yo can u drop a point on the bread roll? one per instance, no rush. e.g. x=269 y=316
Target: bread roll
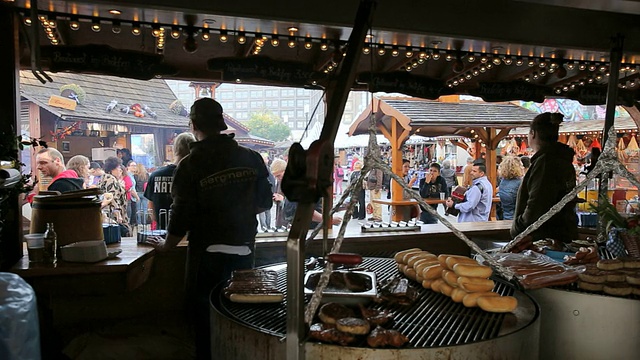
x=458 y=258
x=446 y=289
x=420 y=266
x=471 y=299
x=497 y=304
x=451 y=261
x=472 y=270
x=590 y=286
x=256 y=298
x=593 y=276
x=409 y=255
x=450 y=278
x=610 y=264
x=633 y=279
x=400 y=254
x=616 y=276
x=617 y=288
x=402 y=267
x=352 y=325
x=630 y=263
x=425 y=255
x=432 y=272
x=471 y=284
x=458 y=294
x=426 y=283
x=435 y=285
x=410 y=273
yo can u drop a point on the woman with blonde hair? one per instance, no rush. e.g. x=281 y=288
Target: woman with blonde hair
x=80 y=164
x=510 y=172
x=360 y=211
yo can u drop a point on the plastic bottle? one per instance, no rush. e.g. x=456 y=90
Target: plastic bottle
x=50 y=244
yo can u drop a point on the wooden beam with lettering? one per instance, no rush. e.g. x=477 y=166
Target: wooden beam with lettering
x=264 y=68
x=103 y=59
x=509 y=91
x=403 y=82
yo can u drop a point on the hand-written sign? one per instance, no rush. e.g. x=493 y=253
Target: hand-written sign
x=508 y=91
x=103 y=59
x=264 y=68
x=403 y=82
x=62 y=102
x=597 y=95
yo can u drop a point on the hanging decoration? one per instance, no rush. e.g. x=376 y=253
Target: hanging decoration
x=60 y=134
x=596 y=144
x=523 y=147
x=632 y=149
x=622 y=155
x=580 y=149
x=572 y=142
x=74 y=92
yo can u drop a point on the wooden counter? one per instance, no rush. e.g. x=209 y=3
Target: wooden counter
x=125 y=272
x=433 y=237
x=397 y=204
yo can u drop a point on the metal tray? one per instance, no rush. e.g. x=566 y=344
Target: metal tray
x=331 y=294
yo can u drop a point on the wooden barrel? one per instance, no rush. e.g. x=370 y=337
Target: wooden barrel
x=73 y=219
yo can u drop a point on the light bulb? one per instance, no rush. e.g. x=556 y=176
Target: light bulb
x=275 y=41
x=175 y=32
x=241 y=38
x=95 y=25
x=205 y=34
x=115 y=27
x=223 y=36
x=135 y=28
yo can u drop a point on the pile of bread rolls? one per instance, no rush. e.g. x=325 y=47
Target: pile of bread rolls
x=461 y=278
x=618 y=277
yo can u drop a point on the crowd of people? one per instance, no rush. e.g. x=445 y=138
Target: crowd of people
x=216 y=184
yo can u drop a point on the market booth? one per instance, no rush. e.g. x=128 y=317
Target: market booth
x=485 y=124
x=460 y=62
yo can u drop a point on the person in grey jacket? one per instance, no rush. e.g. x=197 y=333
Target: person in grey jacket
x=449 y=175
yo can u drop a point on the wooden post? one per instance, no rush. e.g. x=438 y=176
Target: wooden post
x=397 y=136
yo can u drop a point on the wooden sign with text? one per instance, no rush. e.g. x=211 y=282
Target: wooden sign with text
x=597 y=95
x=509 y=91
x=62 y=102
x=264 y=68
x=103 y=59
x=403 y=82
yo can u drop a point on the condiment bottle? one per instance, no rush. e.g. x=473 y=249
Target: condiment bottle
x=50 y=244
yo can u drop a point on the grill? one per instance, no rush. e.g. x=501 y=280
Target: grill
x=433 y=321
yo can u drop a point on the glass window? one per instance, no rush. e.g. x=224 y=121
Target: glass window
x=242 y=94
x=242 y=105
x=256 y=93
x=257 y=104
x=287 y=103
x=301 y=92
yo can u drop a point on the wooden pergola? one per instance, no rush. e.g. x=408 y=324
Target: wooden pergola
x=398 y=118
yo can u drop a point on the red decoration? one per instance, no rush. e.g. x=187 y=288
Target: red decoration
x=62 y=133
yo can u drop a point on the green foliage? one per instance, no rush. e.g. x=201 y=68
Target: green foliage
x=611 y=218
x=77 y=89
x=268 y=125
x=10 y=146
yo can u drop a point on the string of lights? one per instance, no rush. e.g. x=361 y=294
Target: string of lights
x=478 y=62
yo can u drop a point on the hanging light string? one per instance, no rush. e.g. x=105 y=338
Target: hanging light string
x=477 y=63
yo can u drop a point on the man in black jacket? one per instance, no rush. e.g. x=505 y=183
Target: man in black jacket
x=218 y=189
x=430 y=188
